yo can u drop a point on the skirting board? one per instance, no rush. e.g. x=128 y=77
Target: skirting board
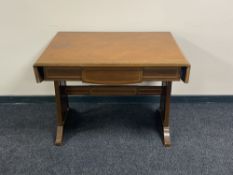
x=119 y=99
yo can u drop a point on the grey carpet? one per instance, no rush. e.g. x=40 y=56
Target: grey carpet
x=117 y=139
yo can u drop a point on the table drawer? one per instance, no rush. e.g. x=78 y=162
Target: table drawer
x=163 y=73
x=112 y=76
x=71 y=73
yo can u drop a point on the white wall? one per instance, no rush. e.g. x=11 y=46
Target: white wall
x=203 y=29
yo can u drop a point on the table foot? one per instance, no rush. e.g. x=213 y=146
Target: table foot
x=166 y=137
x=59 y=135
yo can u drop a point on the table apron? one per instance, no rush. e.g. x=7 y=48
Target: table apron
x=112 y=76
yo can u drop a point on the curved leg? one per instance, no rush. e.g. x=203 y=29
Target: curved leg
x=164 y=111
x=62 y=106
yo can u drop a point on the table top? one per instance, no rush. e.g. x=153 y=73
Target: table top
x=112 y=49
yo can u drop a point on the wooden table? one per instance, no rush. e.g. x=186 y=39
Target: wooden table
x=112 y=61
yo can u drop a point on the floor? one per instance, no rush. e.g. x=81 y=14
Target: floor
x=117 y=139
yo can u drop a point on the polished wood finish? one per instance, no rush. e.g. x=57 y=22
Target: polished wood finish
x=113 y=60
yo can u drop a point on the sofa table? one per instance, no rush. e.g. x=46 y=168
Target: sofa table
x=112 y=63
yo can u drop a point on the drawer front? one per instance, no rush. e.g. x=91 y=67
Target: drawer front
x=165 y=73
x=112 y=76
x=53 y=73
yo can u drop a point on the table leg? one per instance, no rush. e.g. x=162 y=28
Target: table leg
x=62 y=106
x=165 y=110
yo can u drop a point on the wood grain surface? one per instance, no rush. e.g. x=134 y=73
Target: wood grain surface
x=124 y=49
